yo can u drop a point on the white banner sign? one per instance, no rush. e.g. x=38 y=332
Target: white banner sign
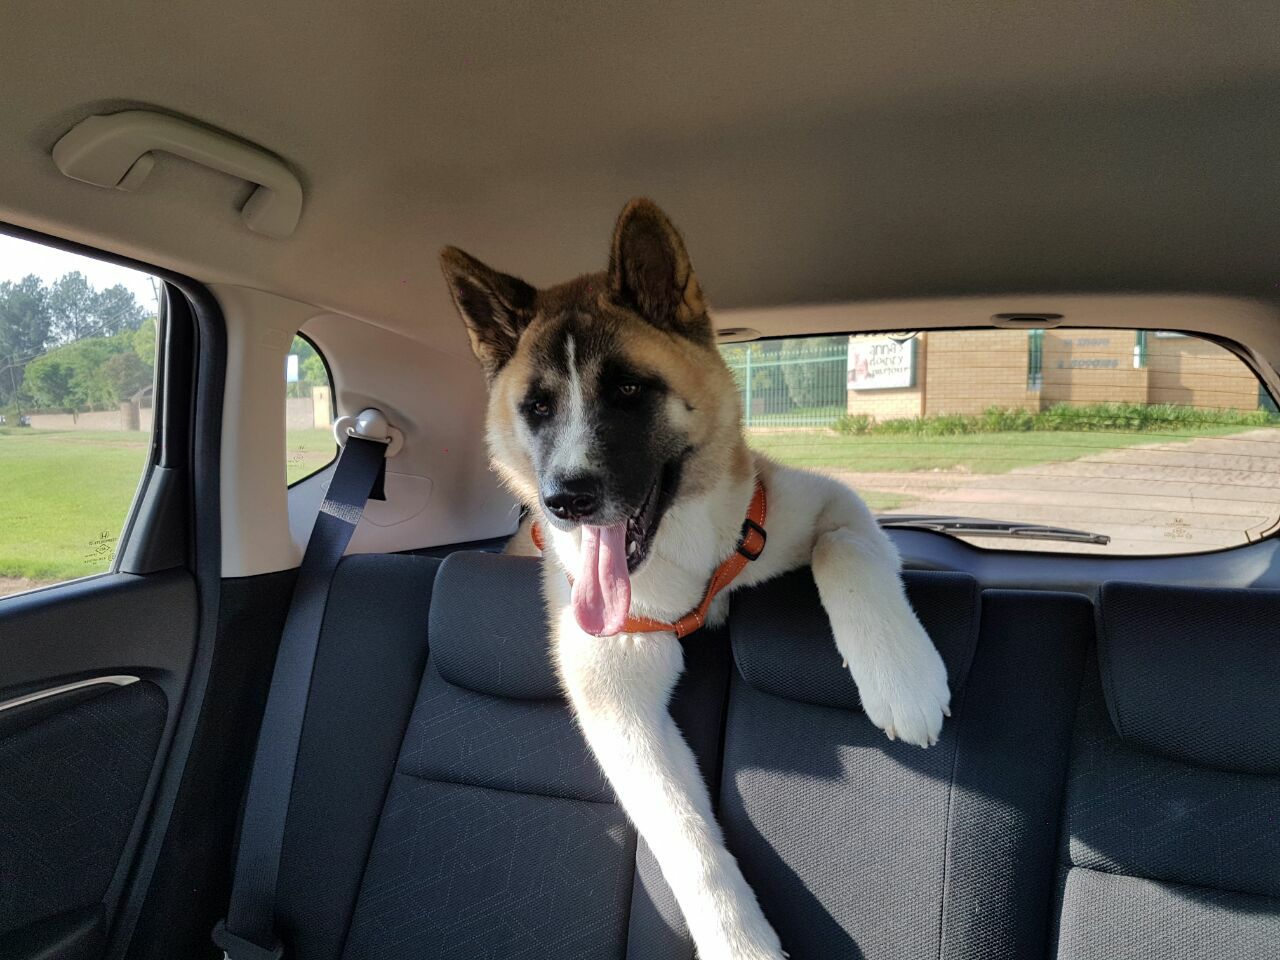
x=881 y=363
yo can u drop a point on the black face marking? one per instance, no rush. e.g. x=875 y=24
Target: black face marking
x=538 y=405
x=593 y=417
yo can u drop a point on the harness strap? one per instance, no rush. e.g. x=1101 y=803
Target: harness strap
x=750 y=546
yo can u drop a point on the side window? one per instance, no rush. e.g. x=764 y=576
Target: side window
x=1117 y=442
x=77 y=358
x=308 y=412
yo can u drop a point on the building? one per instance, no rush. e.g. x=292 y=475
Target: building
x=969 y=371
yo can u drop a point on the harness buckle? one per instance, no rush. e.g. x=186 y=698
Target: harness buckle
x=749 y=526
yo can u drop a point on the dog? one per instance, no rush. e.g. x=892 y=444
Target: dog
x=614 y=419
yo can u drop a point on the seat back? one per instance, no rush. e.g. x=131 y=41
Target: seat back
x=499 y=836
x=445 y=803
x=862 y=847
x=1171 y=829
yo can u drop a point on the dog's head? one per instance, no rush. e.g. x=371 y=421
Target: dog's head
x=608 y=397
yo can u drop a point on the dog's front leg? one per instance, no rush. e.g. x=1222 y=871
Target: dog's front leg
x=901 y=679
x=620 y=687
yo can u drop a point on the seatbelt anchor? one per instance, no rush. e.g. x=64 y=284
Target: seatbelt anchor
x=238 y=948
x=369 y=424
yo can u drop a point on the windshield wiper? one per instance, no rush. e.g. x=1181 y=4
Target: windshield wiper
x=976 y=527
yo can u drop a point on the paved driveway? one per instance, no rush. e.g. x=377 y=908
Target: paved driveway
x=1176 y=497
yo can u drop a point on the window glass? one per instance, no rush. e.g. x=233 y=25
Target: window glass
x=77 y=358
x=308 y=412
x=1071 y=440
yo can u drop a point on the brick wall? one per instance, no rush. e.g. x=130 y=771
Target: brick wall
x=971 y=370
x=94 y=420
x=967 y=371
x=1196 y=373
x=1083 y=367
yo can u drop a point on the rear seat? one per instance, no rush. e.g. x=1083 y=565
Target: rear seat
x=860 y=847
x=445 y=805
x=1171 y=828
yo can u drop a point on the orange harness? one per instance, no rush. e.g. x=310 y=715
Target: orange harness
x=750 y=546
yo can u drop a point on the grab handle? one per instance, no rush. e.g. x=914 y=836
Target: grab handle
x=114 y=150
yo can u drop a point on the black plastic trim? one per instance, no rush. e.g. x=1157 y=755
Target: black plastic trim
x=157 y=538
x=204 y=423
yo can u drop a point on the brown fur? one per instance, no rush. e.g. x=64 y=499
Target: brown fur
x=680 y=346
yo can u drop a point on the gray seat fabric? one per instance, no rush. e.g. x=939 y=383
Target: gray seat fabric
x=1171 y=827
x=499 y=837
x=368 y=667
x=861 y=847
x=445 y=804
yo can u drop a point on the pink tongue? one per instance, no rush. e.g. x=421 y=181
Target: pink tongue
x=602 y=588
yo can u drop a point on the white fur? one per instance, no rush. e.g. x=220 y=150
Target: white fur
x=571 y=452
x=620 y=686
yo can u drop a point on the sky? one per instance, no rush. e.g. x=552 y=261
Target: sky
x=21 y=257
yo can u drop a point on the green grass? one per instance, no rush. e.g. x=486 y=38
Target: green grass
x=1062 y=417
x=64 y=498
x=306 y=452
x=975 y=453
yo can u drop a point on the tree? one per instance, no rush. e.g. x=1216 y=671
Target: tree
x=72 y=304
x=313 y=371
x=144 y=341
x=815 y=371
x=86 y=385
x=77 y=311
x=24 y=329
x=48 y=381
x=117 y=310
x=126 y=374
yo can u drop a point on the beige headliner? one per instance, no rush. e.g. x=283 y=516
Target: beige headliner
x=812 y=152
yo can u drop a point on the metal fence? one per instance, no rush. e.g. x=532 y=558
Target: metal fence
x=800 y=382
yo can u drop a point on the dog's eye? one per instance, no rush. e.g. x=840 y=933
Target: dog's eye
x=541 y=408
x=629 y=389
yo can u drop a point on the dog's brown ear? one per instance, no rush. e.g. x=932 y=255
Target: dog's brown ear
x=495 y=307
x=650 y=272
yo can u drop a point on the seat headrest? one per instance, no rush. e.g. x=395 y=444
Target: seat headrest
x=488 y=626
x=1194 y=673
x=782 y=640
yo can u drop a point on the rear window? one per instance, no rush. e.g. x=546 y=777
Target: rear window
x=308 y=412
x=1115 y=442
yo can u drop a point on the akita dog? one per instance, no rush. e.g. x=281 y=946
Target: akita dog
x=614 y=419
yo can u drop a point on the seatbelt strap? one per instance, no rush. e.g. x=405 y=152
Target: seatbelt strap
x=248 y=932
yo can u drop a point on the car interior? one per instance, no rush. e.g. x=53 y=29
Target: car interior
x=1009 y=270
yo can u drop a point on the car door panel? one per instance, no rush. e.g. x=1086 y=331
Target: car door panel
x=91 y=676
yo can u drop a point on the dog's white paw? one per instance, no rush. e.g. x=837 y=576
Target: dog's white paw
x=903 y=687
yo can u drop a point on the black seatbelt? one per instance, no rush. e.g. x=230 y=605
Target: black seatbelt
x=248 y=932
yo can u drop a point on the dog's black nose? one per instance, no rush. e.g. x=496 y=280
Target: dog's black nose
x=575 y=498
